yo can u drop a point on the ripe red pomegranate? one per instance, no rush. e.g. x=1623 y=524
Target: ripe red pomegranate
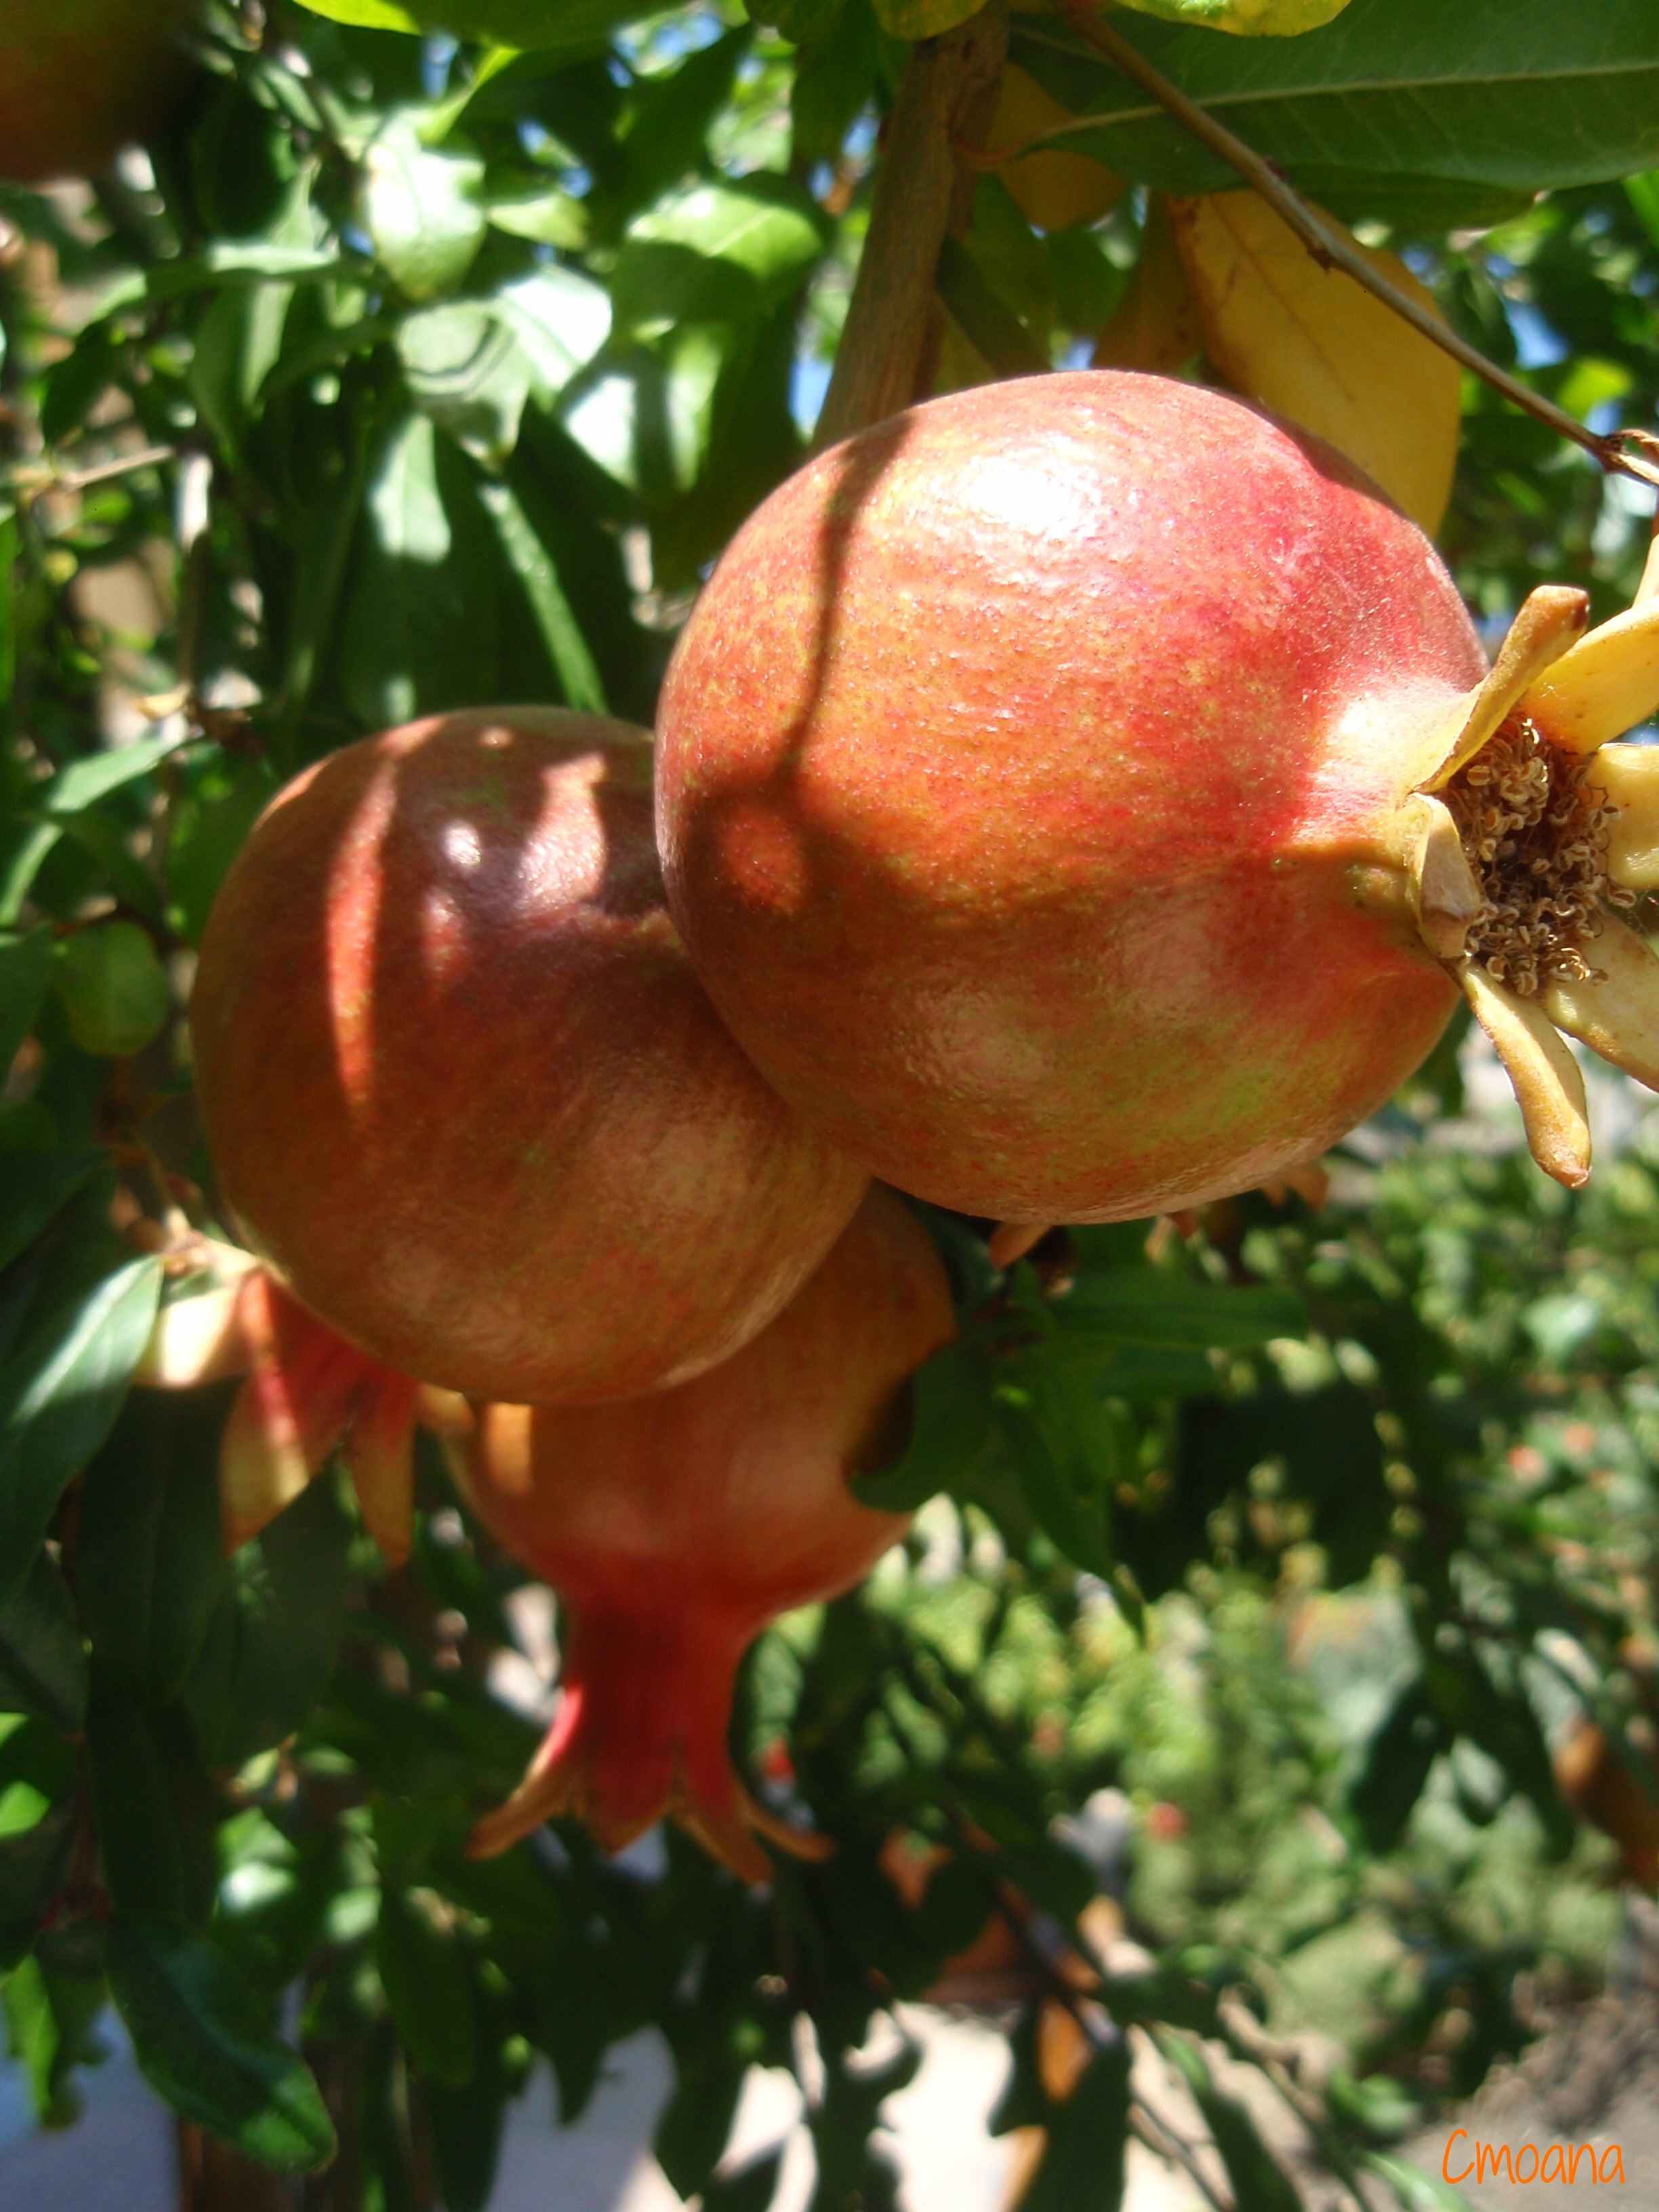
x=674 y=1527
x=463 y=1093
x=80 y=78
x=1085 y=797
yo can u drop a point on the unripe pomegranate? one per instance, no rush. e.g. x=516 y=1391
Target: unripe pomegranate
x=463 y=1094
x=79 y=78
x=1085 y=797
x=674 y=1527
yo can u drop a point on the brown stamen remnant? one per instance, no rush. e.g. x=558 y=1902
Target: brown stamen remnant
x=1536 y=836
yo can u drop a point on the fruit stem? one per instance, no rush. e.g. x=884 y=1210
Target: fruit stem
x=946 y=96
x=1331 y=247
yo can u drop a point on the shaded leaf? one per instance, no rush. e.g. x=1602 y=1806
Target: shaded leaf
x=149 y=1558
x=43 y=1660
x=25 y=972
x=154 y=1803
x=276 y=1634
x=61 y=1385
x=427 y=1985
x=713 y=254
x=923 y=18
x=201 y=2038
x=1082 y=2168
x=114 y=989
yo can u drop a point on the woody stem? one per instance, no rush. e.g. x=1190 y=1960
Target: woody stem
x=1331 y=248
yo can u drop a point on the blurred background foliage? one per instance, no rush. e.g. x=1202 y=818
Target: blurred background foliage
x=400 y=374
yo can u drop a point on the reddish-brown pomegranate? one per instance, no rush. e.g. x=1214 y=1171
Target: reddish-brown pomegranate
x=675 y=1526
x=463 y=1091
x=79 y=78
x=1069 y=792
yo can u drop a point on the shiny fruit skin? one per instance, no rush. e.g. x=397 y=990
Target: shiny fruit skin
x=675 y=1526
x=79 y=79
x=1018 y=772
x=463 y=1092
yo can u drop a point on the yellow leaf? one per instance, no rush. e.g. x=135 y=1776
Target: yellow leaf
x=1250 y=19
x=1156 y=327
x=1315 y=347
x=1051 y=188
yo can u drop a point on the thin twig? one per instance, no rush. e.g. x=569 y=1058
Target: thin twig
x=1158 y=2137
x=1332 y=248
x=33 y=485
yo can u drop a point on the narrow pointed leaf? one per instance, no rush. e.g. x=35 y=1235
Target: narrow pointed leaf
x=202 y=2039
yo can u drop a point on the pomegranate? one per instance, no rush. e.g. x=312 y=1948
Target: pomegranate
x=79 y=78
x=675 y=1526
x=307 y=1392
x=463 y=1094
x=1085 y=796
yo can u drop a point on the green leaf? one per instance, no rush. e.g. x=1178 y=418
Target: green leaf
x=465 y=369
x=532 y=564
x=1642 y=192
x=61 y=1385
x=275 y=1634
x=714 y=253
x=149 y=1554
x=559 y=26
x=923 y=18
x=548 y=215
x=1396 y=1766
x=25 y=972
x=421 y=620
x=84 y=782
x=202 y=2039
x=24 y=847
x=114 y=989
x=1136 y=1305
x=993 y=330
x=1082 y=2168
x=1523 y=95
x=8 y=603
x=1259 y=2182
x=207 y=826
x=154 y=1804
x=466 y=2124
x=560 y=319
x=34 y=1187
x=49 y=2019
x=427 y=1985
x=949 y=1430
x=43 y=1660
x=420 y=206
x=1414 y=2189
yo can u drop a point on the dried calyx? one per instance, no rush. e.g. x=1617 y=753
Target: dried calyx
x=1529 y=834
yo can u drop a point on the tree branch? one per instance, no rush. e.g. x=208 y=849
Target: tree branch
x=1334 y=248
x=945 y=100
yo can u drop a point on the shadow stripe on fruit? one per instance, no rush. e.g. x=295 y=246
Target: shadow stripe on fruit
x=1069 y=793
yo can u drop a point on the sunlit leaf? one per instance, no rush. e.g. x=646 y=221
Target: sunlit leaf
x=1250 y=18
x=420 y=206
